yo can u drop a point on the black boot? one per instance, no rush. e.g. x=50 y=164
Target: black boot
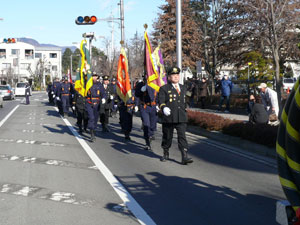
x=92 y=135
x=185 y=158
x=80 y=129
x=165 y=157
x=104 y=128
x=148 y=145
x=127 y=136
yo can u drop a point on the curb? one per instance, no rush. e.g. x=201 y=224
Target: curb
x=234 y=141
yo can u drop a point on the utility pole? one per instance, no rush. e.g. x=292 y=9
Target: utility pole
x=122 y=22
x=178 y=35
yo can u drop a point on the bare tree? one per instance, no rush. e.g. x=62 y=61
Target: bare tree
x=275 y=22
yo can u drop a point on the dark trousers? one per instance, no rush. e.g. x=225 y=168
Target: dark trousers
x=65 y=103
x=27 y=99
x=125 y=119
x=202 y=101
x=149 y=119
x=93 y=114
x=168 y=129
x=104 y=115
x=82 y=117
x=227 y=102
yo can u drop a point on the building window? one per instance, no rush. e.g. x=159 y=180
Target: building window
x=28 y=54
x=2 y=53
x=14 y=51
x=53 y=55
x=6 y=65
x=54 y=68
x=24 y=66
x=38 y=55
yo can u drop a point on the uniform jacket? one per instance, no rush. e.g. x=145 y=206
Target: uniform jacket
x=168 y=97
x=108 y=94
x=79 y=102
x=95 y=94
x=147 y=97
x=56 y=87
x=65 y=88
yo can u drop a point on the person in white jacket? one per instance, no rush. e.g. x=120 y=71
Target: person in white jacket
x=269 y=99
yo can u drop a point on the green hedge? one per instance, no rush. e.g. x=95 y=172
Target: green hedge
x=264 y=134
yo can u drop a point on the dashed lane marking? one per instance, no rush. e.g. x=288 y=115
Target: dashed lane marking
x=46 y=194
x=140 y=214
x=31 y=142
x=50 y=162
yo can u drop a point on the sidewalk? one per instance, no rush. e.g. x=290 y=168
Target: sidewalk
x=223 y=114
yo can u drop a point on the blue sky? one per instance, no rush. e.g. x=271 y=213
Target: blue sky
x=53 y=21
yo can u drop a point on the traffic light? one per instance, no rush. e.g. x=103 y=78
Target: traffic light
x=9 y=40
x=87 y=20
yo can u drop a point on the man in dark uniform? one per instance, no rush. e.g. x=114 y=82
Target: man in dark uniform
x=79 y=102
x=65 y=91
x=173 y=105
x=50 y=92
x=126 y=113
x=147 y=103
x=27 y=94
x=104 y=110
x=114 y=102
x=96 y=94
x=55 y=87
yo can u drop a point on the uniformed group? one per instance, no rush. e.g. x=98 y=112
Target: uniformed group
x=102 y=101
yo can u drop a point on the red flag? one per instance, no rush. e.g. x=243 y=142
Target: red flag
x=123 y=79
x=70 y=76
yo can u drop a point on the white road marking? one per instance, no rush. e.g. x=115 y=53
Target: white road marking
x=8 y=115
x=126 y=197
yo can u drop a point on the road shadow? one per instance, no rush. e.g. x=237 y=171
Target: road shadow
x=119 y=143
x=178 y=200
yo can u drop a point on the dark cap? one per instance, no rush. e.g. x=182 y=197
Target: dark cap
x=114 y=79
x=174 y=70
x=105 y=77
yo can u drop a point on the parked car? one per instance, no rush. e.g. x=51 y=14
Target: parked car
x=20 y=89
x=6 y=92
x=1 y=102
x=288 y=83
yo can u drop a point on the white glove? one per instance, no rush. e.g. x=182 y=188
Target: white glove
x=57 y=98
x=157 y=108
x=111 y=97
x=52 y=92
x=73 y=107
x=115 y=106
x=167 y=111
x=103 y=101
x=136 y=108
x=144 y=88
x=72 y=95
x=53 y=96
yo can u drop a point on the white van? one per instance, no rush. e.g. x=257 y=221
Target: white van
x=20 y=89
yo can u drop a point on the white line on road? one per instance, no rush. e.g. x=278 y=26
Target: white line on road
x=127 y=198
x=8 y=115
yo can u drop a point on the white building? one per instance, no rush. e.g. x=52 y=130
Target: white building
x=20 y=61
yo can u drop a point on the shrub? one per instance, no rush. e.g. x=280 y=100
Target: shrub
x=264 y=134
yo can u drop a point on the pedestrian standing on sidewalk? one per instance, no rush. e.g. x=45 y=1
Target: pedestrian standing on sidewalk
x=226 y=87
x=173 y=105
x=203 y=92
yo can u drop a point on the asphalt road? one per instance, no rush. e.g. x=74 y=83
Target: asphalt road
x=48 y=176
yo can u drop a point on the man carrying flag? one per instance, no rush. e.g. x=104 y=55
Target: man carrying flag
x=127 y=101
